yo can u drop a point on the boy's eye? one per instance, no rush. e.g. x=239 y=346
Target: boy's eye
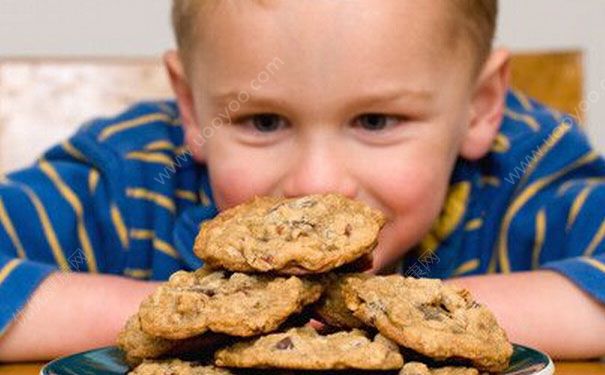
x=375 y=122
x=266 y=122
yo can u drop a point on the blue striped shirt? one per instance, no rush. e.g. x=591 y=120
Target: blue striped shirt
x=123 y=196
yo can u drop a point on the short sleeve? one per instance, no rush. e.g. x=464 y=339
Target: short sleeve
x=53 y=217
x=583 y=258
x=555 y=219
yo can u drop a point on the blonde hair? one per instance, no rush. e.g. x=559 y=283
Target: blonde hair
x=475 y=20
x=479 y=19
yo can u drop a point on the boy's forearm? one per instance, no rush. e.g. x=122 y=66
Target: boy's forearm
x=545 y=310
x=71 y=312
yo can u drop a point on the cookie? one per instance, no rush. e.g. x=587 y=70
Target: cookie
x=431 y=318
x=138 y=345
x=331 y=308
x=305 y=349
x=417 y=368
x=176 y=366
x=190 y=304
x=311 y=234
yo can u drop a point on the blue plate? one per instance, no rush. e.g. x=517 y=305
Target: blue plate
x=110 y=361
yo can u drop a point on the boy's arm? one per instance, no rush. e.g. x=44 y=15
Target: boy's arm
x=71 y=211
x=61 y=214
x=71 y=312
x=543 y=309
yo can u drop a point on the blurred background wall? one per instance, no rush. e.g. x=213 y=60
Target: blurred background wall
x=141 y=28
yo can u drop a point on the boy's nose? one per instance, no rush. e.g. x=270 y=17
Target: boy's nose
x=319 y=170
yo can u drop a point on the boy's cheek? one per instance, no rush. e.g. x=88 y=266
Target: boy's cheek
x=412 y=194
x=413 y=206
x=235 y=183
x=403 y=184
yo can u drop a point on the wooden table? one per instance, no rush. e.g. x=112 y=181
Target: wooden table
x=562 y=368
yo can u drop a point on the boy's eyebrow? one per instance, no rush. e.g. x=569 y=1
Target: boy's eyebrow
x=386 y=96
x=243 y=96
x=377 y=97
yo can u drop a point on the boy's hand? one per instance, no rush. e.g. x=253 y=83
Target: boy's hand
x=72 y=312
x=543 y=309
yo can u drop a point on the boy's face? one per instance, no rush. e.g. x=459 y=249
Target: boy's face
x=365 y=98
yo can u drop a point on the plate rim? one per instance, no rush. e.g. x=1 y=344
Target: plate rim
x=548 y=370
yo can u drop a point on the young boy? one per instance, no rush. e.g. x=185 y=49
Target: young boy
x=399 y=103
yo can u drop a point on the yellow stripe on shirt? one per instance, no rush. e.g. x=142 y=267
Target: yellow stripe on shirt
x=524 y=197
x=204 y=199
x=523 y=100
x=137 y=273
x=165 y=248
x=157 y=198
x=558 y=116
x=129 y=124
x=187 y=195
x=596 y=240
x=150 y=157
x=8 y=268
x=142 y=234
x=493 y=262
x=473 y=224
x=466 y=267
x=521 y=117
x=149 y=235
x=76 y=205
x=577 y=205
x=564 y=188
x=72 y=151
x=544 y=151
x=540 y=229
x=10 y=230
x=183 y=150
x=491 y=180
x=501 y=144
x=595 y=263
x=93 y=180
x=161 y=145
x=119 y=225
x=47 y=227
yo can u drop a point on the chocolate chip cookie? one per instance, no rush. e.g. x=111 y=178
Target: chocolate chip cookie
x=139 y=345
x=417 y=368
x=176 y=366
x=331 y=308
x=192 y=303
x=434 y=319
x=305 y=349
x=312 y=234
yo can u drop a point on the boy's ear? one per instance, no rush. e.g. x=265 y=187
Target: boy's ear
x=487 y=105
x=182 y=91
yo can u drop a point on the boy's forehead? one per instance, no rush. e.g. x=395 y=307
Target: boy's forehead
x=340 y=44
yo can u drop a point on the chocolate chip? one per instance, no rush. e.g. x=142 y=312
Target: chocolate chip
x=284 y=344
x=348 y=230
x=377 y=306
x=431 y=312
x=204 y=290
x=302 y=223
x=444 y=308
x=304 y=203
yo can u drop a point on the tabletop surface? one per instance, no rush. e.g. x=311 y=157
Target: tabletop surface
x=562 y=368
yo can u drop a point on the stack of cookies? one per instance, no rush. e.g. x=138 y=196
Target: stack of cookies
x=273 y=263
